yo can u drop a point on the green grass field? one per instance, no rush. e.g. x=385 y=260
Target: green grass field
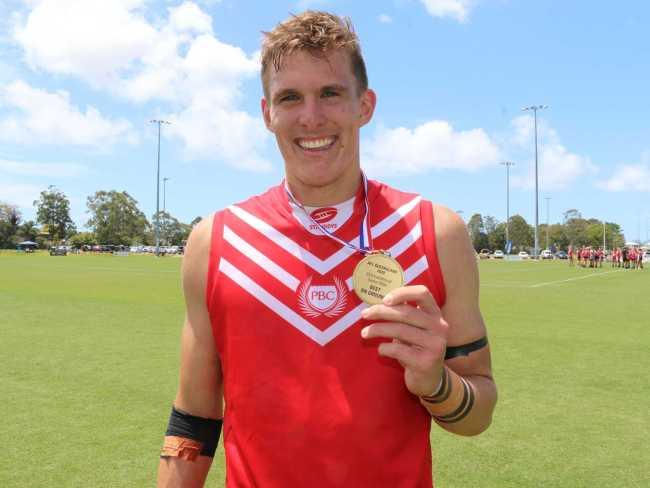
x=89 y=355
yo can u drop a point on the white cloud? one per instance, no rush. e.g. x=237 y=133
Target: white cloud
x=455 y=9
x=629 y=177
x=558 y=167
x=433 y=145
x=385 y=19
x=188 y=17
x=233 y=136
x=37 y=116
x=178 y=60
x=21 y=195
x=27 y=168
x=92 y=39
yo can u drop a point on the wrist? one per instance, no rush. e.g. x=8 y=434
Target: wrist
x=440 y=385
x=453 y=400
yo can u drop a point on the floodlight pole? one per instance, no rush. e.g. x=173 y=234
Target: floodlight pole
x=548 y=199
x=164 y=193
x=165 y=209
x=534 y=109
x=507 y=164
x=157 y=223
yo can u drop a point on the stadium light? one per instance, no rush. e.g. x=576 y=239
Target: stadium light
x=534 y=109
x=159 y=122
x=507 y=164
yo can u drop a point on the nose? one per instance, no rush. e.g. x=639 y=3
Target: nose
x=311 y=115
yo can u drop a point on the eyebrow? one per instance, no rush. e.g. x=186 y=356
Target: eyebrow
x=339 y=88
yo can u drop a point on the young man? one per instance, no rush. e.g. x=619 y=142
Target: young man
x=320 y=388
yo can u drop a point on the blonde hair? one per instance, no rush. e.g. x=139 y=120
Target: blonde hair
x=317 y=33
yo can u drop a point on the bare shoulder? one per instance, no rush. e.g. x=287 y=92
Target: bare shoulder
x=197 y=256
x=452 y=241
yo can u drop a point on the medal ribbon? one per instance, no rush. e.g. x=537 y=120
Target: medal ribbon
x=364 y=230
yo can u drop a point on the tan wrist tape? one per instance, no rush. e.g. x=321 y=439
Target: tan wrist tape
x=181 y=447
x=453 y=400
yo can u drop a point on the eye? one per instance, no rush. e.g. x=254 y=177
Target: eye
x=289 y=97
x=330 y=93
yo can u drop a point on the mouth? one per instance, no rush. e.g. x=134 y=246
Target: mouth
x=314 y=144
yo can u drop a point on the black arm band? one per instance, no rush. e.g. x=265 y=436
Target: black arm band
x=465 y=349
x=205 y=431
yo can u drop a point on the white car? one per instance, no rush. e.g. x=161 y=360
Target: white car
x=523 y=255
x=546 y=254
x=498 y=254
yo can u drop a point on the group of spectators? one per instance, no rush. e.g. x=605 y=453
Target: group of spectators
x=628 y=257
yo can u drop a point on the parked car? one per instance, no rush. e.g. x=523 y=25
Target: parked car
x=561 y=255
x=484 y=254
x=498 y=254
x=58 y=251
x=524 y=255
x=546 y=254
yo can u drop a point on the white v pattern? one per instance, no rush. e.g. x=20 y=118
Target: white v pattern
x=321 y=337
x=304 y=326
x=317 y=264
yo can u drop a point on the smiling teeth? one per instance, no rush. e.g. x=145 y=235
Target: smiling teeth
x=316 y=143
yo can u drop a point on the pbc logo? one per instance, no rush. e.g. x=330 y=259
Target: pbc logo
x=322 y=215
x=317 y=300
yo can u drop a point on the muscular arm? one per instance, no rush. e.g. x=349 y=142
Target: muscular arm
x=200 y=383
x=421 y=332
x=462 y=314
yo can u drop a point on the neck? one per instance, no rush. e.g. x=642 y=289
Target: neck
x=323 y=195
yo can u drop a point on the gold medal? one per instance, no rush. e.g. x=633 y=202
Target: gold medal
x=375 y=276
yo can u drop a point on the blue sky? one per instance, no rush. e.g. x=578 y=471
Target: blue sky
x=80 y=80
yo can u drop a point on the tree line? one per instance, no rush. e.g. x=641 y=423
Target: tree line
x=487 y=232
x=114 y=219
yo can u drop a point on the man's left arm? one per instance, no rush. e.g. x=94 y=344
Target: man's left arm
x=466 y=326
x=459 y=392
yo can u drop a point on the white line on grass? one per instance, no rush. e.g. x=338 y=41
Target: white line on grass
x=573 y=279
x=504 y=284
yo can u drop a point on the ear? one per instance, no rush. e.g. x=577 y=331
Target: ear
x=368 y=101
x=266 y=113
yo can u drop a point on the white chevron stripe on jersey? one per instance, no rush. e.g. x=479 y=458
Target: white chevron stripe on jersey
x=291 y=317
x=317 y=264
x=290 y=246
x=407 y=241
x=395 y=217
x=343 y=323
x=260 y=259
x=416 y=269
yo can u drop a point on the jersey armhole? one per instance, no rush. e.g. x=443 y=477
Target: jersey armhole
x=430 y=249
x=214 y=260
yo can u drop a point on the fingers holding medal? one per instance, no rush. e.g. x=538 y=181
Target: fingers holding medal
x=411 y=318
x=375 y=276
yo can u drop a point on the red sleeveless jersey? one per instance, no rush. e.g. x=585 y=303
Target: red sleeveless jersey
x=309 y=403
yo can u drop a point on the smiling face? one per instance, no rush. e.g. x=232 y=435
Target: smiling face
x=315 y=110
